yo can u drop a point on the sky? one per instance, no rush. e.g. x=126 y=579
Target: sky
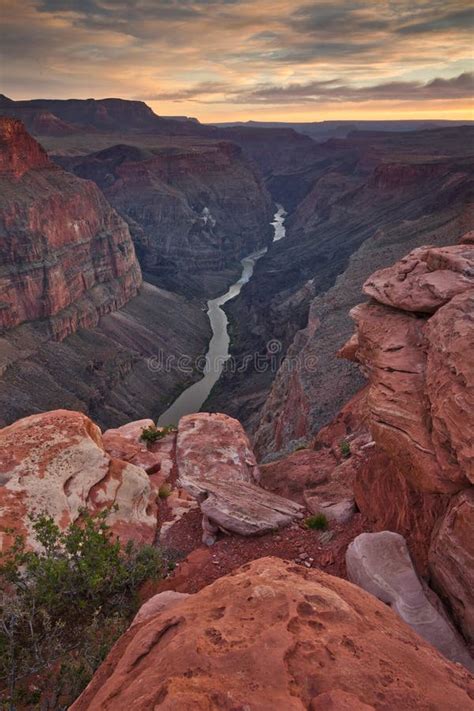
x=223 y=60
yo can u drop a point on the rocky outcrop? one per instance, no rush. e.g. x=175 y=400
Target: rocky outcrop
x=217 y=467
x=416 y=351
x=193 y=208
x=55 y=464
x=276 y=635
x=66 y=255
x=380 y=563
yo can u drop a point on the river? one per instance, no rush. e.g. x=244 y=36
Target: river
x=192 y=399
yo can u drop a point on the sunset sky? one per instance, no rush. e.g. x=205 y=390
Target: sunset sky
x=224 y=60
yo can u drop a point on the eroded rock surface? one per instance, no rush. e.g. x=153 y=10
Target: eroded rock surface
x=55 y=464
x=217 y=467
x=275 y=635
x=380 y=563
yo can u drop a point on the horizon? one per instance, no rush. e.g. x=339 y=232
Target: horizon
x=236 y=60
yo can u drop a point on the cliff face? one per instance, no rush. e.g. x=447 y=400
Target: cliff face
x=193 y=207
x=66 y=255
x=414 y=342
x=69 y=273
x=371 y=199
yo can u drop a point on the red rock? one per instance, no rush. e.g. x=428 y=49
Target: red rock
x=54 y=463
x=66 y=254
x=274 y=635
x=425 y=279
x=451 y=559
x=450 y=383
x=217 y=467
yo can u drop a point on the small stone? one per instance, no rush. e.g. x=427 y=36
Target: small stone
x=307 y=564
x=303 y=556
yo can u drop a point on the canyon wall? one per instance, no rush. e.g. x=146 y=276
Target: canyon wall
x=194 y=208
x=373 y=197
x=74 y=331
x=66 y=256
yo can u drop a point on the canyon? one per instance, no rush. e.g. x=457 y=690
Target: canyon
x=316 y=517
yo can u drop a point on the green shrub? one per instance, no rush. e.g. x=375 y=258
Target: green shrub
x=153 y=434
x=164 y=491
x=68 y=600
x=345 y=448
x=317 y=522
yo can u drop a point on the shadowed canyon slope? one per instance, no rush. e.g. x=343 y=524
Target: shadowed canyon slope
x=194 y=208
x=368 y=200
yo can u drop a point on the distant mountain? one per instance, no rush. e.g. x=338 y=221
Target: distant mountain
x=322 y=130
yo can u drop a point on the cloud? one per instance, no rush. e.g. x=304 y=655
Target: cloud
x=227 y=53
x=460 y=87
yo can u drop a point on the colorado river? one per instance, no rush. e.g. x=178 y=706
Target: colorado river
x=192 y=399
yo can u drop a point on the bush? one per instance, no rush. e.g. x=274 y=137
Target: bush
x=317 y=522
x=345 y=448
x=69 y=600
x=164 y=491
x=153 y=434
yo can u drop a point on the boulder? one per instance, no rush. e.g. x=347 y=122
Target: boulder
x=425 y=279
x=158 y=603
x=217 y=467
x=451 y=559
x=380 y=563
x=274 y=635
x=54 y=463
x=125 y=443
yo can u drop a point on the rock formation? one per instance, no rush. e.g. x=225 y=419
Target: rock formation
x=217 y=467
x=74 y=332
x=275 y=635
x=380 y=563
x=66 y=255
x=55 y=464
x=417 y=480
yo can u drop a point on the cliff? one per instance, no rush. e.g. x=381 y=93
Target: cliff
x=194 y=208
x=74 y=332
x=413 y=341
x=66 y=255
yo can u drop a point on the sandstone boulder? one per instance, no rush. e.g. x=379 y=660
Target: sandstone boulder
x=54 y=463
x=451 y=559
x=273 y=635
x=158 y=603
x=216 y=466
x=125 y=443
x=425 y=279
x=380 y=563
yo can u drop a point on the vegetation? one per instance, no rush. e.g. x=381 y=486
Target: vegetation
x=317 y=522
x=153 y=434
x=64 y=605
x=164 y=491
x=345 y=448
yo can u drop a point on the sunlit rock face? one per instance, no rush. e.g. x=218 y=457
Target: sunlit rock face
x=67 y=256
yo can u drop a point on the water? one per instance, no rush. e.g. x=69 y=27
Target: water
x=192 y=399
